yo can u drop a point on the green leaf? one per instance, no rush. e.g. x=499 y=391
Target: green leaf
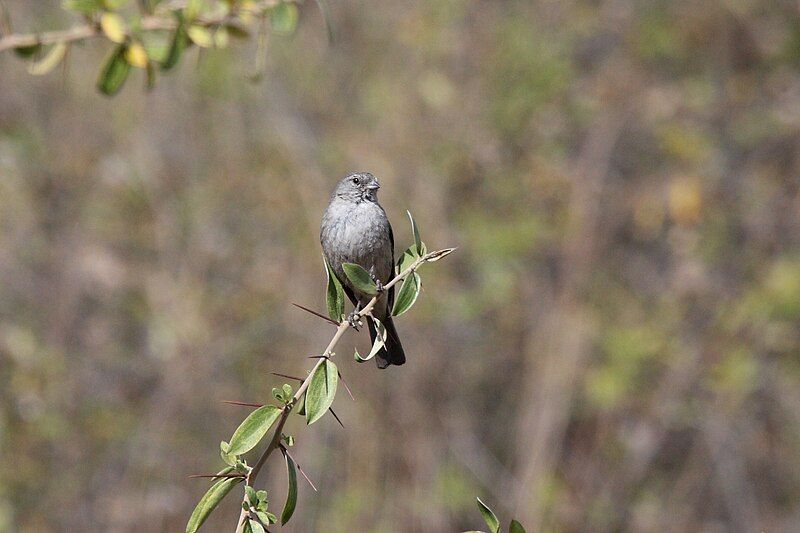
x=224 y=453
x=256 y=526
x=287 y=391
x=291 y=498
x=415 y=231
x=284 y=18
x=253 y=428
x=321 y=390
x=114 y=73
x=300 y=406
x=407 y=259
x=209 y=502
x=27 y=51
x=335 y=295
x=251 y=495
x=360 y=278
x=179 y=43
x=515 y=527
x=489 y=517
x=380 y=340
x=83 y=6
x=49 y=61
x=408 y=294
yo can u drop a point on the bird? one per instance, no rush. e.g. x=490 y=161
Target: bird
x=355 y=229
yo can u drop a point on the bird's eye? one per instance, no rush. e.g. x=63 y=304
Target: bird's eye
x=356 y=180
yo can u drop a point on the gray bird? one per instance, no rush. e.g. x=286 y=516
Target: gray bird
x=355 y=230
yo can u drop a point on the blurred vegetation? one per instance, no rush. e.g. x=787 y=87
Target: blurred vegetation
x=616 y=346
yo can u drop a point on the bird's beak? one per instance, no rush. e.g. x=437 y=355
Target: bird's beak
x=374 y=185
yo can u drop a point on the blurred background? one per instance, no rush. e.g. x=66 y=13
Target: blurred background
x=615 y=346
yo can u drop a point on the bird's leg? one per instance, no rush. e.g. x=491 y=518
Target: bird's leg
x=376 y=279
x=353 y=317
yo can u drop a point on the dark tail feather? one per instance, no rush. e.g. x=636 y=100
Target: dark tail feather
x=392 y=352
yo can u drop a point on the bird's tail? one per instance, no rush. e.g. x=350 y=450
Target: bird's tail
x=392 y=352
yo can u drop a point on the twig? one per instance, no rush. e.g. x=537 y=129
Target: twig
x=245 y=404
x=164 y=21
x=193 y=476
x=275 y=442
x=323 y=317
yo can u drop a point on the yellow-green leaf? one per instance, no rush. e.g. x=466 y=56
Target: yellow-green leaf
x=209 y=502
x=360 y=278
x=408 y=294
x=136 y=55
x=252 y=429
x=489 y=517
x=200 y=36
x=335 y=295
x=291 y=497
x=284 y=18
x=113 y=27
x=49 y=61
x=321 y=390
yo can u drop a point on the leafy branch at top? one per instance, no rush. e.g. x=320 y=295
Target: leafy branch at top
x=153 y=34
x=312 y=399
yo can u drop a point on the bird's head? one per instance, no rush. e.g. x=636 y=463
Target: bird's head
x=358 y=186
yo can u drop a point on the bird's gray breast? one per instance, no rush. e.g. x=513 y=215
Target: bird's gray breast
x=357 y=233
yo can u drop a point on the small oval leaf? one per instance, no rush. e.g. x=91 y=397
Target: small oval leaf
x=515 y=527
x=284 y=18
x=321 y=391
x=360 y=278
x=136 y=55
x=113 y=27
x=408 y=294
x=252 y=429
x=179 y=43
x=489 y=517
x=291 y=498
x=209 y=502
x=335 y=295
x=49 y=61
x=200 y=36
x=256 y=527
x=114 y=73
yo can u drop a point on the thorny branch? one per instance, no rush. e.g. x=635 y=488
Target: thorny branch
x=162 y=20
x=275 y=442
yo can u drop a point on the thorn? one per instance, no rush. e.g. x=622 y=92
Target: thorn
x=287 y=376
x=285 y=450
x=323 y=317
x=215 y=475
x=245 y=404
x=319 y=356
x=346 y=387
x=336 y=417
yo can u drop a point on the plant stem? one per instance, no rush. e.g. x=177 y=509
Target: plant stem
x=275 y=442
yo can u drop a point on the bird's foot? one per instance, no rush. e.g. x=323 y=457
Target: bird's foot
x=354 y=319
x=376 y=279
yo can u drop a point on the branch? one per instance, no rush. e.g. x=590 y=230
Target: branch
x=163 y=21
x=275 y=442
